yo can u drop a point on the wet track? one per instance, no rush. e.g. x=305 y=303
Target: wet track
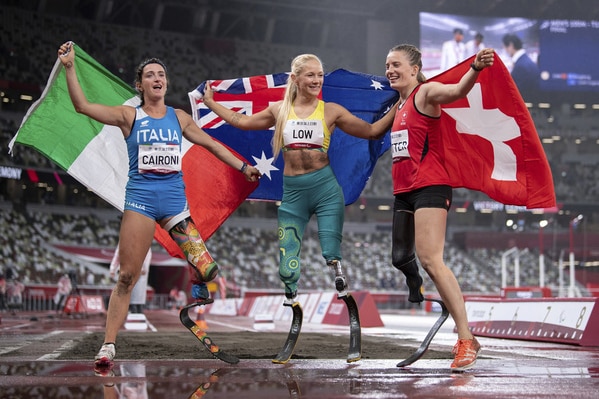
x=507 y=369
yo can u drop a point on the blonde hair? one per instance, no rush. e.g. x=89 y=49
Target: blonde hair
x=297 y=66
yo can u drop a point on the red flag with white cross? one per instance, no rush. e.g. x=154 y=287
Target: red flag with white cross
x=491 y=143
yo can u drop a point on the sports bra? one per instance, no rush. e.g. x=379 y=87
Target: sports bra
x=307 y=133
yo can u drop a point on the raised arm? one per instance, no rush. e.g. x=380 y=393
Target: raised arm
x=438 y=93
x=357 y=127
x=193 y=133
x=259 y=121
x=120 y=115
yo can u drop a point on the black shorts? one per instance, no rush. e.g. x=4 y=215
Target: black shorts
x=426 y=197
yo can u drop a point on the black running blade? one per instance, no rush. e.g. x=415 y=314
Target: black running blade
x=355 y=332
x=294 y=332
x=429 y=337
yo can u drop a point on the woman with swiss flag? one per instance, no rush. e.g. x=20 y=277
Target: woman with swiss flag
x=421 y=184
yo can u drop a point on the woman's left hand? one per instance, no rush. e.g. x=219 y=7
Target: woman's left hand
x=484 y=58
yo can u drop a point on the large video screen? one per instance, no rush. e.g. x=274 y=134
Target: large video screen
x=561 y=55
x=570 y=55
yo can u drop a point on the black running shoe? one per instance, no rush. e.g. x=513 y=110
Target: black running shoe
x=290 y=298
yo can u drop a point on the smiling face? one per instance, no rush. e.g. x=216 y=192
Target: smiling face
x=153 y=81
x=399 y=72
x=309 y=78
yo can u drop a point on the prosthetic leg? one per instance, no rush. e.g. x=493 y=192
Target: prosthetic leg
x=429 y=337
x=296 y=327
x=201 y=318
x=183 y=230
x=403 y=258
x=355 y=333
x=355 y=337
x=203 y=336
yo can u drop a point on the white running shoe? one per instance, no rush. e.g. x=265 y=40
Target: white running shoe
x=105 y=355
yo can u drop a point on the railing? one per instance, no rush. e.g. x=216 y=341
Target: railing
x=44 y=303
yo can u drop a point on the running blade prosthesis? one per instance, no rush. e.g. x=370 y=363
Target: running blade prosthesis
x=355 y=333
x=296 y=327
x=429 y=337
x=202 y=335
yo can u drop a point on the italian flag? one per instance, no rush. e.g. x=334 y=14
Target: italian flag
x=96 y=155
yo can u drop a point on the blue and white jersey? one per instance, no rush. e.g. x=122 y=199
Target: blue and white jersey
x=154 y=145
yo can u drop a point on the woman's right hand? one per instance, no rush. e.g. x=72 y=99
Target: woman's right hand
x=66 y=53
x=208 y=93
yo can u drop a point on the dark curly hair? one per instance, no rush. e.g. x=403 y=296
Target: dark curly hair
x=140 y=70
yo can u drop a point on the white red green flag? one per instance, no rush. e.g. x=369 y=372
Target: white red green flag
x=96 y=155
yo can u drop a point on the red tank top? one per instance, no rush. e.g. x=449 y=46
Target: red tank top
x=416 y=148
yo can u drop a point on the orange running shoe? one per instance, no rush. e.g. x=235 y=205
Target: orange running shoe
x=465 y=351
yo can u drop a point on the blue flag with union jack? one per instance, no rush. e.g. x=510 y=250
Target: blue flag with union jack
x=352 y=159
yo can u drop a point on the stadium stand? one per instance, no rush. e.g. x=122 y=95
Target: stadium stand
x=34 y=218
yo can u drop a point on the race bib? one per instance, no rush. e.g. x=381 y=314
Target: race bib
x=303 y=134
x=399 y=145
x=159 y=158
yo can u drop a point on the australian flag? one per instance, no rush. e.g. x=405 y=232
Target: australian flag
x=352 y=159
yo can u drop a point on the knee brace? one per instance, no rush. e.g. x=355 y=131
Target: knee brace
x=183 y=231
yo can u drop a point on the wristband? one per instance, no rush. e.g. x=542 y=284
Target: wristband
x=473 y=66
x=243 y=167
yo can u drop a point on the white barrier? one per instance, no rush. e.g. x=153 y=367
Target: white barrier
x=136 y=322
x=563 y=320
x=318 y=308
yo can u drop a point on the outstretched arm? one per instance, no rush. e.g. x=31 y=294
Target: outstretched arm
x=193 y=133
x=120 y=115
x=259 y=121
x=357 y=127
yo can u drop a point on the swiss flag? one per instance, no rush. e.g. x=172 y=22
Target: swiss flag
x=491 y=143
